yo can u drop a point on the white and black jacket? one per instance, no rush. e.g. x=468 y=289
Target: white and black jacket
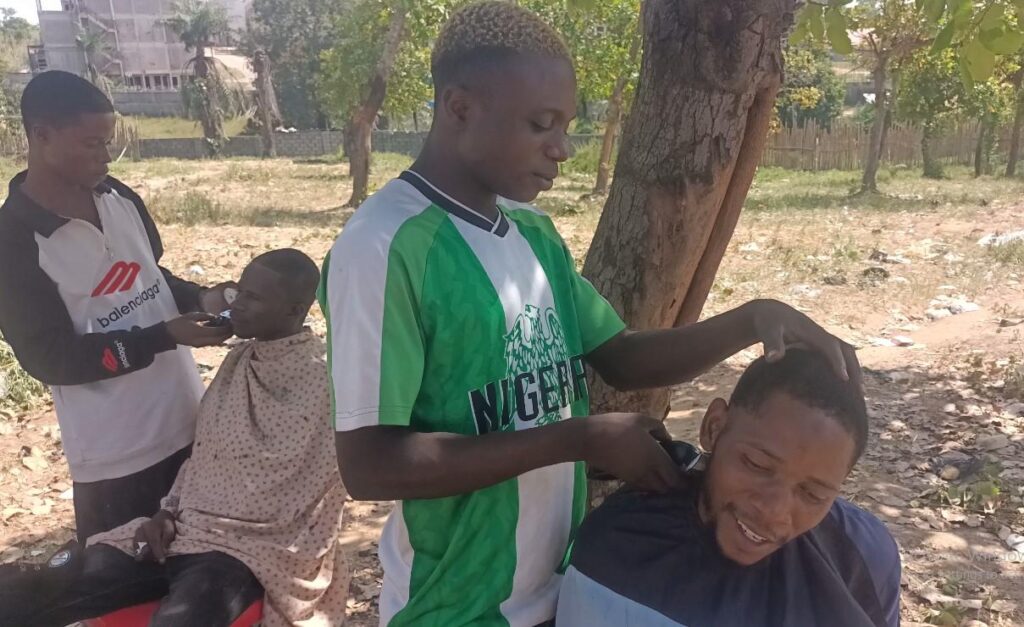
x=84 y=310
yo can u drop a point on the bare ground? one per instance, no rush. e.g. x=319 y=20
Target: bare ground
x=944 y=393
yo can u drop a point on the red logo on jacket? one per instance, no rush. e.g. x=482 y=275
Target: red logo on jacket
x=109 y=361
x=119 y=278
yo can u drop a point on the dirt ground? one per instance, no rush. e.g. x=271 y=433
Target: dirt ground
x=936 y=316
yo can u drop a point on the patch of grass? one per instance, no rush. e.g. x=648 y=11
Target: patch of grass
x=18 y=391
x=560 y=206
x=270 y=216
x=1009 y=254
x=845 y=250
x=169 y=128
x=948 y=615
x=152 y=168
x=389 y=164
x=334 y=174
x=241 y=172
x=985 y=493
x=190 y=209
x=776 y=189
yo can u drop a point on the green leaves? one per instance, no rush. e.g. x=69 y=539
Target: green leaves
x=945 y=38
x=824 y=23
x=815 y=23
x=979 y=61
x=836 y=28
x=1003 y=41
x=933 y=9
x=993 y=17
x=197 y=23
x=800 y=33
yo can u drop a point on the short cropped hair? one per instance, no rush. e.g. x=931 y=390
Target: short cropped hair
x=300 y=274
x=807 y=377
x=483 y=34
x=57 y=98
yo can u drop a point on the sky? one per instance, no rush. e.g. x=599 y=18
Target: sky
x=27 y=8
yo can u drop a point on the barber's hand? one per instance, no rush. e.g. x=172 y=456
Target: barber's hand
x=153 y=538
x=213 y=300
x=628 y=446
x=191 y=330
x=778 y=325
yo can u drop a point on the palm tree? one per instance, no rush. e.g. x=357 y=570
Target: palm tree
x=206 y=94
x=93 y=45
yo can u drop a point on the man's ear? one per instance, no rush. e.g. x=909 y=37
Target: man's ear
x=715 y=420
x=39 y=133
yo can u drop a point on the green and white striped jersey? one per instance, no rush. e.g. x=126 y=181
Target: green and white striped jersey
x=444 y=321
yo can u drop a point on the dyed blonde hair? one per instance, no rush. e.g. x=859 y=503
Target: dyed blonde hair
x=492 y=31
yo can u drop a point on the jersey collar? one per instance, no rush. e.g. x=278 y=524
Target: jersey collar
x=498 y=227
x=38 y=218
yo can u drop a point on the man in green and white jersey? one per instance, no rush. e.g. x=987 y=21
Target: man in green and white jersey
x=459 y=333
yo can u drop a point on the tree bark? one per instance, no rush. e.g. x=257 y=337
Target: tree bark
x=880 y=75
x=1018 y=123
x=360 y=124
x=210 y=114
x=266 y=103
x=690 y=147
x=611 y=131
x=983 y=149
x=932 y=166
x=613 y=123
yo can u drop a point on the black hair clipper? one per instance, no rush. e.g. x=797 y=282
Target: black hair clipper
x=223 y=320
x=686 y=456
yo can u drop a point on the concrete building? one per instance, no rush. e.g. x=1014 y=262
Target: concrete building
x=142 y=57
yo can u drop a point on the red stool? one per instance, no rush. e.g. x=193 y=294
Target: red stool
x=139 y=615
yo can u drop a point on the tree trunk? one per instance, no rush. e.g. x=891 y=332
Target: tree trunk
x=983 y=149
x=870 y=181
x=1018 y=123
x=611 y=131
x=211 y=117
x=689 y=150
x=932 y=166
x=613 y=123
x=360 y=124
x=266 y=103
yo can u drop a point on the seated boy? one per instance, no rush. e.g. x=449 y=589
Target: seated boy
x=257 y=508
x=760 y=537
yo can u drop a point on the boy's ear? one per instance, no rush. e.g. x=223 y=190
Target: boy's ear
x=456 y=102
x=715 y=420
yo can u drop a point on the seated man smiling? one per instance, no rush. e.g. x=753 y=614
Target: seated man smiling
x=255 y=513
x=760 y=537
